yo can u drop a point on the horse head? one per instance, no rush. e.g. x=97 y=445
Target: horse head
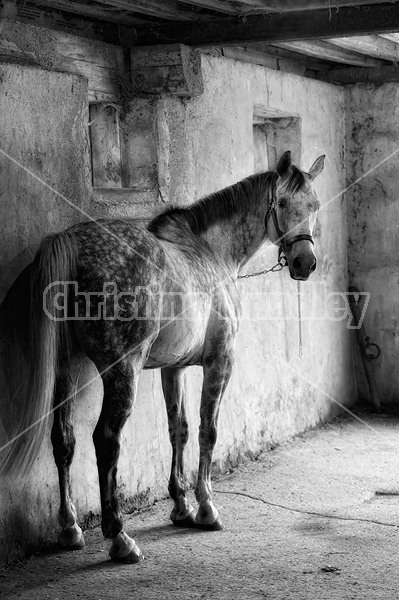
x=291 y=215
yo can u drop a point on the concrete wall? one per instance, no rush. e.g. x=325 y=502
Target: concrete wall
x=203 y=144
x=373 y=215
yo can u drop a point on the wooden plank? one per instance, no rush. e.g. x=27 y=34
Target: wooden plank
x=167 y=69
x=218 y=6
x=378 y=76
x=163 y=9
x=265 y=5
x=372 y=45
x=323 y=23
x=324 y=50
x=139 y=145
x=306 y=5
x=104 y=65
x=88 y=10
x=394 y=37
x=145 y=57
x=259 y=58
x=286 y=56
x=105 y=146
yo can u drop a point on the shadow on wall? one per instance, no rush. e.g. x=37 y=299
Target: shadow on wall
x=19 y=536
x=16 y=265
x=14 y=327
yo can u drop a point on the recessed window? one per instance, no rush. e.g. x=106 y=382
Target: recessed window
x=272 y=136
x=123 y=147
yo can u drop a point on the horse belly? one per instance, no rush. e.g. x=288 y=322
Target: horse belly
x=180 y=343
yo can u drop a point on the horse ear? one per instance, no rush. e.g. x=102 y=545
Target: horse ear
x=284 y=164
x=317 y=167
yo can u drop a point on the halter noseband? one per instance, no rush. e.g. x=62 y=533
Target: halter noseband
x=284 y=242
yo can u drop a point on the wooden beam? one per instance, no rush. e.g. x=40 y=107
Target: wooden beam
x=378 y=76
x=305 y=5
x=324 y=23
x=162 y=9
x=284 y=56
x=68 y=6
x=257 y=58
x=172 y=70
x=270 y=57
x=324 y=50
x=217 y=5
x=372 y=45
x=394 y=37
x=265 y=5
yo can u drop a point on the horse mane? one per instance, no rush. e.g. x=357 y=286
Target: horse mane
x=227 y=202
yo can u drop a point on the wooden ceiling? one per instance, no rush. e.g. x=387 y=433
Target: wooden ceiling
x=338 y=40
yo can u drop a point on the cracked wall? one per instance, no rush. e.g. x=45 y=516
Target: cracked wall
x=373 y=216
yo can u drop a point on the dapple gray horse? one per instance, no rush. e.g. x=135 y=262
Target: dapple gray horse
x=133 y=297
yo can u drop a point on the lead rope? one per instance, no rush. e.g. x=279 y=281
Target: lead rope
x=299 y=321
x=279 y=266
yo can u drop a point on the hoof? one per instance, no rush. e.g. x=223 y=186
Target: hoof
x=130 y=558
x=125 y=550
x=188 y=521
x=71 y=538
x=183 y=515
x=217 y=525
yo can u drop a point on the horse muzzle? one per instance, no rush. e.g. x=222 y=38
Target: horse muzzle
x=300 y=257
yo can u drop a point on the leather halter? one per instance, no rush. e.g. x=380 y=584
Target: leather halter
x=284 y=242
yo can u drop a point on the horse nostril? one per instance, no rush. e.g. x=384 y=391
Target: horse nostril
x=313 y=267
x=297 y=263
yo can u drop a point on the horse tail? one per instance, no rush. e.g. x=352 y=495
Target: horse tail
x=54 y=263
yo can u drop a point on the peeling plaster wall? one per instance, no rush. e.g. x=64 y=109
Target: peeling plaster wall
x=373 y=216
x=204 y=144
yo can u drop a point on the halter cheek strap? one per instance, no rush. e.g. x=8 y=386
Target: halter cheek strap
x=284 y=242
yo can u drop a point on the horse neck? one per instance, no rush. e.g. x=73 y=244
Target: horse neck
x=235 y=239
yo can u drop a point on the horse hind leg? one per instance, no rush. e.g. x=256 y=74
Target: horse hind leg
x=120 y=387
x=173 y=387
x=63 y=440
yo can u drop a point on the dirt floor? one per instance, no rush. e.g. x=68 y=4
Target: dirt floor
x=315 y=519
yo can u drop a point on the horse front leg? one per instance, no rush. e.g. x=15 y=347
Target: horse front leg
x=217 y=372
x=120 y=387
x=173 y=385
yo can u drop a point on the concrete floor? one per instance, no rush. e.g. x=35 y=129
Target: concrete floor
x=314 y=519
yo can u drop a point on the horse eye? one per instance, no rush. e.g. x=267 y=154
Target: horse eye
x=282 y=203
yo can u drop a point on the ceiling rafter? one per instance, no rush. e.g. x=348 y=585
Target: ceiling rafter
x=394 y=37
x=237 y=7
x=265 y=5
x=95 y=12
x=228 y=8
x=351 y=75
x=163 y=9
x=276 y=27
x=323 y=50
x=306 y=5
x=372 y=45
